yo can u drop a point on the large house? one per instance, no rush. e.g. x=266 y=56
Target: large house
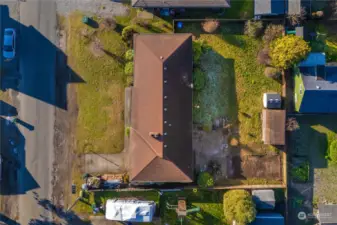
x=180 y=3
x=161 y=109
x=315 y=85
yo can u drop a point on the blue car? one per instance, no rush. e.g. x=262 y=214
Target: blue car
x=8 y=50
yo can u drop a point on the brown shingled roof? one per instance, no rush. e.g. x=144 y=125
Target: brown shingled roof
x=162 y=103
x=273 y=126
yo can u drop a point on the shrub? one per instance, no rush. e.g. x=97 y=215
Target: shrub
x=263 y=57
x=205 y=180
x=333 y=151
x=127 y=131
x=272 y=72
x=301 y=172
x=253 y=28
x=297 y=19
x=129 y=55
x=128 y=81
x=272 y=32
x=210 y=26
x=128 y=69
x=239 y=206
x=127 y=33
x=199 y=79
x=288 y=51
x=199 y=48
x=318 y=14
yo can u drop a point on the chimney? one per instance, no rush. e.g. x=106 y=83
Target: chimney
x=156 y=135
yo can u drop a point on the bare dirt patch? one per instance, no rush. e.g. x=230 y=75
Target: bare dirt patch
x=221 y=153
x=96 y=48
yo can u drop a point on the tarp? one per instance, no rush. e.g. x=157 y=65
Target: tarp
x=130 y=210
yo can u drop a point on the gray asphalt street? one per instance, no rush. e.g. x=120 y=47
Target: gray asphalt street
x=36 y=99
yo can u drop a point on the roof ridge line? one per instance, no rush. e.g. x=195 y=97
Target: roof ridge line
x=146 y=142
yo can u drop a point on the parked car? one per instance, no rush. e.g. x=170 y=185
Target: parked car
x=8 y=49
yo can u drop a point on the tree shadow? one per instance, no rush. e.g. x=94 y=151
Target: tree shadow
x=16 y=178
x=117 y=58
x=7 y=109
x=68 y=216
x=7 y=220
x=40 y=68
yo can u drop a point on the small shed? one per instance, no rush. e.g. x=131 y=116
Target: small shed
x=268 y=219
x=264 y=199
x=327 y=214
x=272 y=101
x=273 y=126
x=130 y=210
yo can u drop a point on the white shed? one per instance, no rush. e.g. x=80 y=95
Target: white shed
x=130 y=210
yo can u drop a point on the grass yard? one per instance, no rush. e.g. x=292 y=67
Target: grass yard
x=239 y=96
x=310 y=142
x=96 y=55
x=210 y=203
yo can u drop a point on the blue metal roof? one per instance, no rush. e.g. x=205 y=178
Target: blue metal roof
x=268 y=219
x=319 y=101
x=314 y=59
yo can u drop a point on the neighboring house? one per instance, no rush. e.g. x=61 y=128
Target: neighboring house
x=264 y=199
x=268 y=219
x=180 y=3
x=315 y=85
x=279 y=7
x=273 y=126
x=161 y=109
x=327 y=214
x=270 y=7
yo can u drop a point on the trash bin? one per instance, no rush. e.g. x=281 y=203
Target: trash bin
x=85 y=19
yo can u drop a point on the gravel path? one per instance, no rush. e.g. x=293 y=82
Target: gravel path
x=104 y=8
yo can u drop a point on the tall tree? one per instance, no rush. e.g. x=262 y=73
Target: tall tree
x=288 y=51
x=239 y=206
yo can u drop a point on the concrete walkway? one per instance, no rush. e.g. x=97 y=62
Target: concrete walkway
x=105 y=163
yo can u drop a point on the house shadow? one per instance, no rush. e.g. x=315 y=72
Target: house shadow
x=16 y=179
x=308 y=144
x=40 y=69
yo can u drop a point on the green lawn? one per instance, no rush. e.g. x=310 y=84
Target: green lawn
x=210 y=203
x=100 y=98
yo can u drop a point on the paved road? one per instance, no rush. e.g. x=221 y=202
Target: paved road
x=37 y=98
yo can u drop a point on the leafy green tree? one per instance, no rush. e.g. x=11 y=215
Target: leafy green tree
x=288 y=51
x=239 y=206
